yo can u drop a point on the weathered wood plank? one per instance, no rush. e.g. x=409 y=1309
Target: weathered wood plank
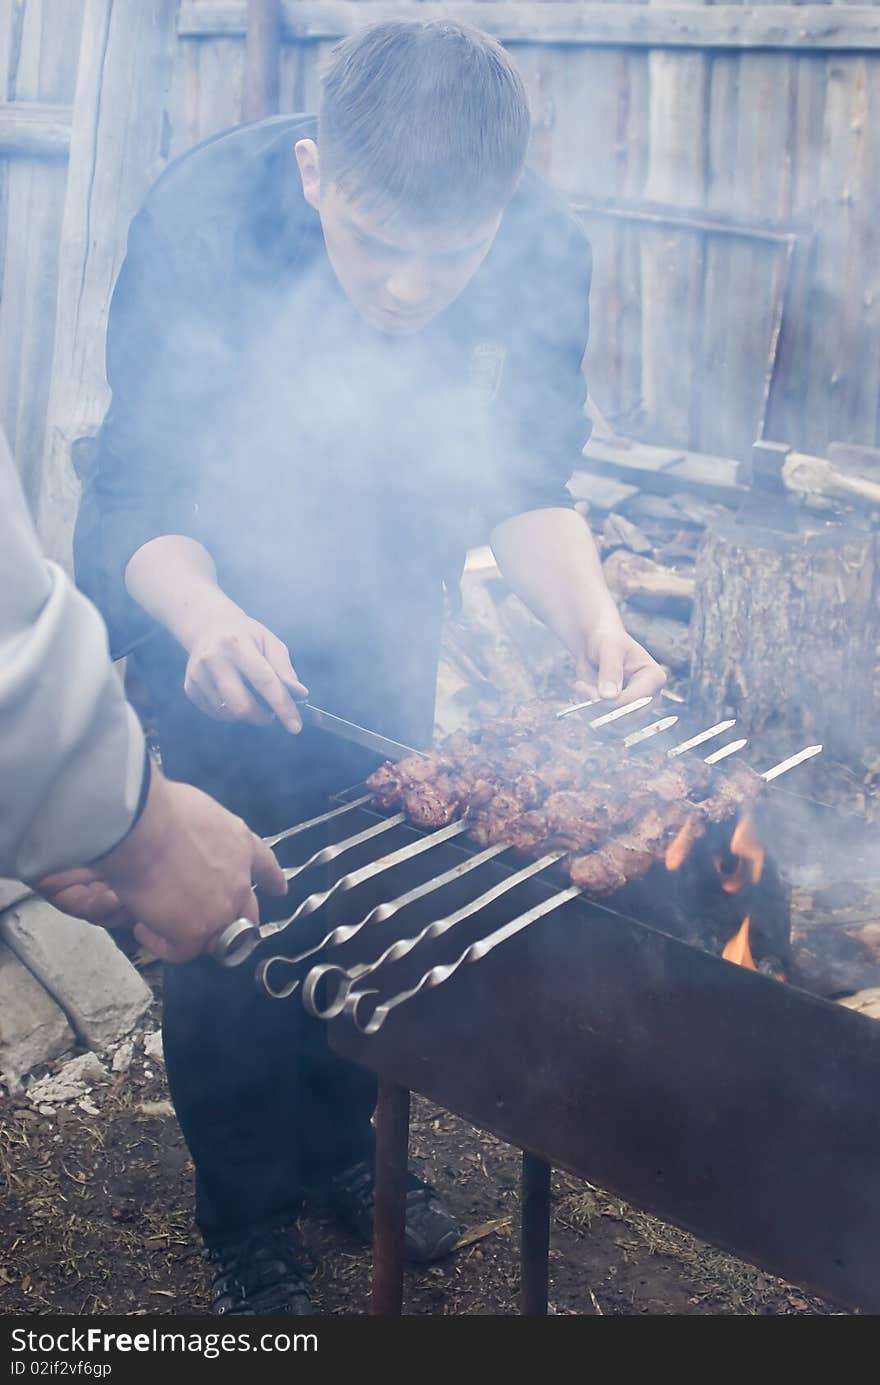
x=634 y=117
x=34 y=128
x=840 y=308
x=799 y=27
x=315 y=58
x=117 y=149
x=750 y=173
x=262 y=50
x=672 y=262
x=859 y=411
x=663 y=472
x=787 y=406
x=42 y=62
x=183 y=103
x=220 y=85
x=583 y=154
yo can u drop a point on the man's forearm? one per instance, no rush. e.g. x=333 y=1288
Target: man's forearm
x=549 y=558
x=175 y=580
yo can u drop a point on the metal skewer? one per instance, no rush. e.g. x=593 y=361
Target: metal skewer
x=403 y=946
x=619 y=712
x=238 y=939
x=608 y=716
x=730 y=749
x=345 y=932
x=577 y=707
x=437 y=975
x=351 y=880
x=330 y=853
x=316 y=822
x=785 y=765
x=707 y=735
x=636 y=737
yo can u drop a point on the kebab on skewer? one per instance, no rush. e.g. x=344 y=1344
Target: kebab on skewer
x=541 y=784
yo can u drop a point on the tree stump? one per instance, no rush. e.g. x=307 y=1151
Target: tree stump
x=784 y=636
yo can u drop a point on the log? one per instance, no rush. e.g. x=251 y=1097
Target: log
x=117 y=149
x=479 y=636
x=620 y=532
x=668 y=640
x=855 y=459
x=647 y=584
x=865 y=1002
x=816 y=476
x=784 y=635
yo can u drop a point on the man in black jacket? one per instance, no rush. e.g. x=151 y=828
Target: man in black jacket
x=338 y=349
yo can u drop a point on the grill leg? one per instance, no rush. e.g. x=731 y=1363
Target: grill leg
x=534 y=1235
x=389 y=1217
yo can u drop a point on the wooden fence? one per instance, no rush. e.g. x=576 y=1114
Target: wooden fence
x=724 y=157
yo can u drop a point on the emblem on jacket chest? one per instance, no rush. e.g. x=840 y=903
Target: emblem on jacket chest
x=487 y=370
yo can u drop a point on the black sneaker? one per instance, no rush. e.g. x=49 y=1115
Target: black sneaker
x=262 y=1273
x=431 y=1229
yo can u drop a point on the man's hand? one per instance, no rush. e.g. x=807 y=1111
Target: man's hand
x=234 y=661
x=612 y=666
x=83 y=893
x=549 y=559
x=183 y=873
x=232 y=658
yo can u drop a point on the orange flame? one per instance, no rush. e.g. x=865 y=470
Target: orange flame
x=749 y=853
x=677 y=852
x=744 y=843
x=738 y=949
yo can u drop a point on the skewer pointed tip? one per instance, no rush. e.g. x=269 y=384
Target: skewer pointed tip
x=785 y=765
x=730 y=749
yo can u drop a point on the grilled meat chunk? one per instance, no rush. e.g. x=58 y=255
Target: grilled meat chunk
x=432 y=803
x=631 y=855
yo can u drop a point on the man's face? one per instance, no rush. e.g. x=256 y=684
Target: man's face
x=398 y=277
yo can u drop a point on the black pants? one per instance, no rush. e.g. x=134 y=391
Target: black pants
x=266 y=1108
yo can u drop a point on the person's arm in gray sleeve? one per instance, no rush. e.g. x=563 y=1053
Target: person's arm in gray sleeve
x=73 y=772
x=71 y=749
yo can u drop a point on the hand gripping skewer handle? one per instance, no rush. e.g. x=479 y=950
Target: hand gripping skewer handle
x=238 y=939
x=352 y=1001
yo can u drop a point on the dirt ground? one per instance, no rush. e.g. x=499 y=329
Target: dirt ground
x=97 y=1219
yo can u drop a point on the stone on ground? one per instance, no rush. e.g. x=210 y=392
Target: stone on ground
x=33 y=1028
x=100 y=991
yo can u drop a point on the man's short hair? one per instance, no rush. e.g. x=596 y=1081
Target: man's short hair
x=426 y=121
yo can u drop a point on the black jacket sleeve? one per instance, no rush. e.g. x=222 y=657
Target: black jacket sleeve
x=168 y=367
x=541 y=425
